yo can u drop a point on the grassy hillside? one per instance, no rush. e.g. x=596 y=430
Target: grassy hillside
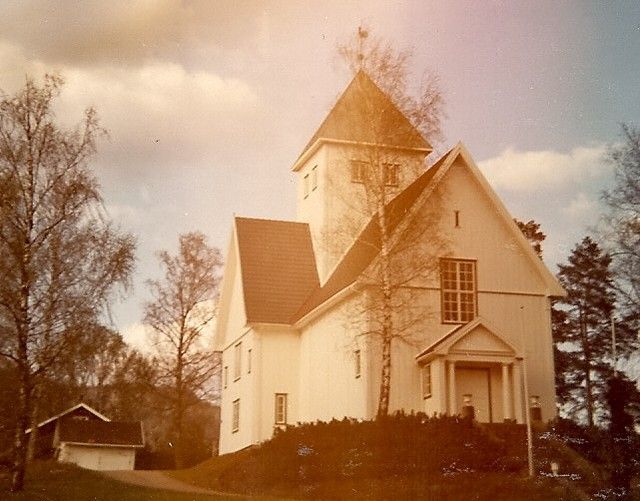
x=51 y=481
x=405 y=457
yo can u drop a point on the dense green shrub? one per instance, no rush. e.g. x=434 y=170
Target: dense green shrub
x=399 y=445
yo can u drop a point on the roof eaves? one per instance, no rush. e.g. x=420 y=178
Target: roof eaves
x=69 y=410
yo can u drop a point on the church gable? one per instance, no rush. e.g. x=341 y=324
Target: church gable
x=231 y=317
x=481 y=339
x=473 y=338
x=477 y=226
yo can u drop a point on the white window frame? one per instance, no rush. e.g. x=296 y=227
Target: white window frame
x=237 y=365
x=459 y=285
x=358 y=171
x=425 y=378
x=305 y=185
x=391 y=173
x=280 y=411
x=235 y=416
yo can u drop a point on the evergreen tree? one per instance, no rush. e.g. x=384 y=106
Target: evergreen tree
x=623 y=405
x=532 y=232
x=582 y=329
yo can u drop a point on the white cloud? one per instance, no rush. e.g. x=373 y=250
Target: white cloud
x=161 y=110
x=142 y=337
x=137 y=336
x=583 y=208
x=530 y=171
x=159 y=114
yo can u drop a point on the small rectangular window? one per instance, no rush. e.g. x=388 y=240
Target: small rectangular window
x=237 y=366
x=391 y=174
x=358 y=362
x=314 y=177
x=426 y=381
x=458 y=288
x=358 y=171
x=249 y=361
x=225 y=376
x=281 y=408
x=235 y=418
x=306 y=185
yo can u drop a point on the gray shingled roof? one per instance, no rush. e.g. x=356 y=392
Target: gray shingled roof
x=278 y=268
x=101 y=432
x=365 y=114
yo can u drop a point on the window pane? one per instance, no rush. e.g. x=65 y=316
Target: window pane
x=426 y=381
x=458 y=290
x=281 y=408
x=237 y=366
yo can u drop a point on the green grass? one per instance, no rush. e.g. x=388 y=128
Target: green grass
x=52 y=481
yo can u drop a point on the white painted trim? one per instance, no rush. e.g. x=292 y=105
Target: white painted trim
x=462 y=330
x=96 y=444
x=319 y=141
x=329 y=303
x=247 y=330
x=69 y=410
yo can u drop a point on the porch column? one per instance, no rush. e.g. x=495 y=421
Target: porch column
x=452 y=388
x=517 y=391
x=506 y=393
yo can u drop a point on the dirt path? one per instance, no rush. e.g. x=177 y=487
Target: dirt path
x=158 y=480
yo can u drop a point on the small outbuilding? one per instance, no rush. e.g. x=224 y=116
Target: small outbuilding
x=99 y=445
x=45 y=431
x=87 y=438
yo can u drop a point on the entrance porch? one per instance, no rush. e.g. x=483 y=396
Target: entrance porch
x=473 y=369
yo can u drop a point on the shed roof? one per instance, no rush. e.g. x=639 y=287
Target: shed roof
x=112 y=433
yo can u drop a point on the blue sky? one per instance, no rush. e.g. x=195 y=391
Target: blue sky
x=209 y=103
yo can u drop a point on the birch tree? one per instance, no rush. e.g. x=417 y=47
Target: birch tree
x=60 y=258
x=179 y=314
x=386 y=117
x=623 y=218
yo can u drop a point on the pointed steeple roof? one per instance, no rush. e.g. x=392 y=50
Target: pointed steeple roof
x=365 y=114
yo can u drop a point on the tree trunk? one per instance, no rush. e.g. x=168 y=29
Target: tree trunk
x=589 y=396
x=588 y=386
x=33 y=436
x=178 y=447
x=20 y=438
x=178 y=451
x=387 y=323
x=385 y=382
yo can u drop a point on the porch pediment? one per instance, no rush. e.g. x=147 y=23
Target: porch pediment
x=475 y=338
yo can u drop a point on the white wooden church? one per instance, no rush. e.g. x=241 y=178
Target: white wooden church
x=294 y=341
